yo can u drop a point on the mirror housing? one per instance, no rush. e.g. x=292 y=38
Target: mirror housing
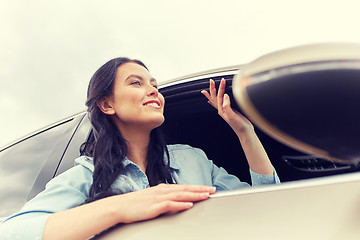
x=307 y=97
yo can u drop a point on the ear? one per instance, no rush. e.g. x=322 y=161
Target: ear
x=106 y=106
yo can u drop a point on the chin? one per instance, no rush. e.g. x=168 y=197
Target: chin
x=158 y=122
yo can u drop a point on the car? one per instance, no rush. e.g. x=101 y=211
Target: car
x=318 y=198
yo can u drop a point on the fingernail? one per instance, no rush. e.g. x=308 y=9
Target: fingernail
x=204 y=195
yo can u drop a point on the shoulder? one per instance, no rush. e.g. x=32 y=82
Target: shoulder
x=184 y=148
x=190 y=165
x=178 y=147
x=78 y=177
x=182 y=151
x=86 y=162
x=185 y=155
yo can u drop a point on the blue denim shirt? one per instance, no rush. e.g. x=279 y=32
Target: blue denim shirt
x=70 y=189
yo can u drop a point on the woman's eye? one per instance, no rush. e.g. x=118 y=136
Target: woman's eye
x=135 y=83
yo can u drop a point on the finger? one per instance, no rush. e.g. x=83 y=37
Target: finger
x=171 y=206
x=212 y=89
x=161 y=208
x=188 y=188
x=226 y=104
x=209 y=102
x=206 y=94
x=186 y=196
x=196 y=188
x=220 y=96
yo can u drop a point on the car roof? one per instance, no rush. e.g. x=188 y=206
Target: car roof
x=164 y=84
x=200 y=75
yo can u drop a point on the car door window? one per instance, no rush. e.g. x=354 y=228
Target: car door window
x=21 y=163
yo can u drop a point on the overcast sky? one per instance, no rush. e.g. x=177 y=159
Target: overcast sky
x=49 y=49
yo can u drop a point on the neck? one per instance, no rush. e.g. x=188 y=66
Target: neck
x=138 y=141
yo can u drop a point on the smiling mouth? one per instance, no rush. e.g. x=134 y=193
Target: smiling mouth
x=152 y=104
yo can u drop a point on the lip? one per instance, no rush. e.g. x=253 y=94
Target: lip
x=153 y=101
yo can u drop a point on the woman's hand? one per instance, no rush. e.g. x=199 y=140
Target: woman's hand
x=154 y=201
x=256 y=155
x=221 y=102
x=125 y=208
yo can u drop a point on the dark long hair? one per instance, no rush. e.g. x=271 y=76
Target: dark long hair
x=107 y=146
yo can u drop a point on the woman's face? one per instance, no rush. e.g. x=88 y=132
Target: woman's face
x=136 y=100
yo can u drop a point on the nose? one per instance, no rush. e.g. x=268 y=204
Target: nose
x=153 y=91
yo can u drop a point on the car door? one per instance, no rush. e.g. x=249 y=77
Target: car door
x=28 y=164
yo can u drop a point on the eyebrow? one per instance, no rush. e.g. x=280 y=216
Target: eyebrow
x=139 y=77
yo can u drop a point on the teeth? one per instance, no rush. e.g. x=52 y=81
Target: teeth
x=153 y=104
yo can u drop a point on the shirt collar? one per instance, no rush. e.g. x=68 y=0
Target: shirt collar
x=173 y=163
x=126 y=162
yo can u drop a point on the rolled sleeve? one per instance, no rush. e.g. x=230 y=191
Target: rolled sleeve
x=191 y=166
x=258 y=179
x=222 y=180
x=29 y=225
x=66 y=191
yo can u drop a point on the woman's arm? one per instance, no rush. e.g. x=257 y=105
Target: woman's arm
x=254 y=151
x=90 y=219
x=55 y=213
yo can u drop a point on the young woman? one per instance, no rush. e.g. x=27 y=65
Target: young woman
x=127 y=173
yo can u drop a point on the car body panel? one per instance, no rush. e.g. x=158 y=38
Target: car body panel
x=323 y=208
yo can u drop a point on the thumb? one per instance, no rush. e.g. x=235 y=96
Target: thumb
x=226 y=103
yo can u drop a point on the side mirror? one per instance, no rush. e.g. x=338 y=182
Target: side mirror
x=306 y=97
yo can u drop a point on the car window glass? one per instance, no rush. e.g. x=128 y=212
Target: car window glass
x=20 y=165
